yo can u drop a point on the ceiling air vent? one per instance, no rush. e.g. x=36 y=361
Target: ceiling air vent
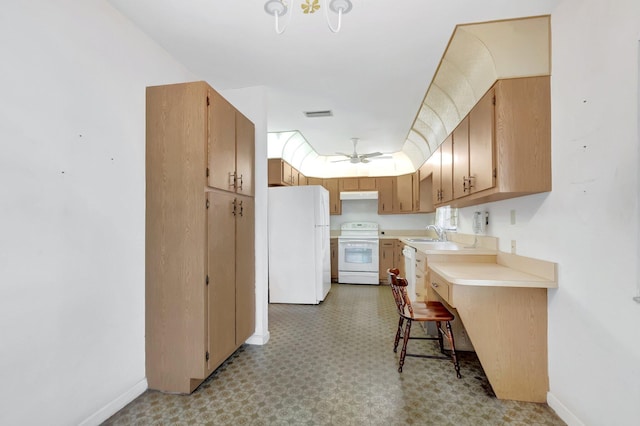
x=316 y=114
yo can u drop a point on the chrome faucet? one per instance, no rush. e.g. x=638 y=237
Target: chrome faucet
x=442 y=235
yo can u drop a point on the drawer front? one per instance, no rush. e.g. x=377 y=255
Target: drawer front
x=441 y=287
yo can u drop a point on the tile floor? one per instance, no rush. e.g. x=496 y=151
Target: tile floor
x=333 y=364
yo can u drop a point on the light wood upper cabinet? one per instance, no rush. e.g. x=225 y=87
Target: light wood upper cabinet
x=358 y=184
x=441 y=164
x=521 y=129
x=302 y=179
x=416 y=191
x=481 y=144
x=404 y=193
x=385 y=194
x=281 y=173
x=332 y=185
x=461 y=159
x=502 y=149
x=222 y=142
x=231 y=147
x=245 y=155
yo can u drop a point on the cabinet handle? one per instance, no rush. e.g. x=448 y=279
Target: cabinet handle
x=239 y=186
x=434 y=285
x=232 y=179
x=235 y=206
x=418 y=276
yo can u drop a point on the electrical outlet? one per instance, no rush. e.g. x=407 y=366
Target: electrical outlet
x=513 y=217
x=513 y=246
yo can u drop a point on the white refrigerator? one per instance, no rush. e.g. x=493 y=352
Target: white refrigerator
x=299 y=252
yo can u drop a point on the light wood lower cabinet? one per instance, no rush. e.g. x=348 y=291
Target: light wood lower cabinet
x=199 y=249
x=333 y=245
x=387 y=258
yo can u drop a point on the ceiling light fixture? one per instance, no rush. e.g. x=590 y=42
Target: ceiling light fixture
x=278 y=8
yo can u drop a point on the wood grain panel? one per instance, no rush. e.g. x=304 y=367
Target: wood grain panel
x=508 y=329
x=446 y=171
x=481 y=144
x=222 y=142
x=222 y=277
x=385 y=194
x=404 y=193
x=176 y=132
x=245 y=154
x=523 y=129
x=461 y=158
x=245 y=271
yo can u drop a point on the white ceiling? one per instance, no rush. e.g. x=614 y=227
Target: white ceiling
x=373 y=74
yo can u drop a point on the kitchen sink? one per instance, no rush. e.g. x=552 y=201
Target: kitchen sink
x=422 y=240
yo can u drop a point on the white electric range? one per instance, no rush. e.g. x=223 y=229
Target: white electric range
x=358 y=248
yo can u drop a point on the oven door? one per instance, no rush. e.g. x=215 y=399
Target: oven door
x=358 y=255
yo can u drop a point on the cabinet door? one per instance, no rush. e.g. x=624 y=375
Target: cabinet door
x=416 y=191
x=314 y=181
x=446 y=170
x=302 y=179
x=334 y=195
x=398 y=246
x=367 y=184
x=349 y=184
x=404 y=193
x=435 y=167
x=245 y=155
x=481 y=143
x=461 y=159
x=222 y=142
x=221 y=290
x=334 y=259
x=387 y=258
x=385 y=194
x=287 y=173
x=245 y=269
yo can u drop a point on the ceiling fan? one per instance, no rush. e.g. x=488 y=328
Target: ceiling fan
x=356 y=158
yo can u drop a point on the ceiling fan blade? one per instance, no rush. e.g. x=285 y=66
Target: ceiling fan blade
x=371 y=154
x=342 y=153
x=340 y=161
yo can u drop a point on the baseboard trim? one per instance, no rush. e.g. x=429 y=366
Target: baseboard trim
x=258 y=339
x=116 y=405
x=562 y=411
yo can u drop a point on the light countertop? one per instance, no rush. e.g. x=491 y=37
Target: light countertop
x=448 y=247
x=488 y=274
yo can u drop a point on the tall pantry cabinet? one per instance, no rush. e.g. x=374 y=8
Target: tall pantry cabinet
x=200 y=261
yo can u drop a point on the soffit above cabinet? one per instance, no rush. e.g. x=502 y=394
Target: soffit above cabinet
x=476 y=57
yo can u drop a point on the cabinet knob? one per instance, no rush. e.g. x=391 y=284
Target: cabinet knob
x=434 y=285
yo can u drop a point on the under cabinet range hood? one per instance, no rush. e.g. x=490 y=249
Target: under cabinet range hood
x=359 y=195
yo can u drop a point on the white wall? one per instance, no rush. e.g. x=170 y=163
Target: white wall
x=588 y=224
x=367 y=211
x=72 y=209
